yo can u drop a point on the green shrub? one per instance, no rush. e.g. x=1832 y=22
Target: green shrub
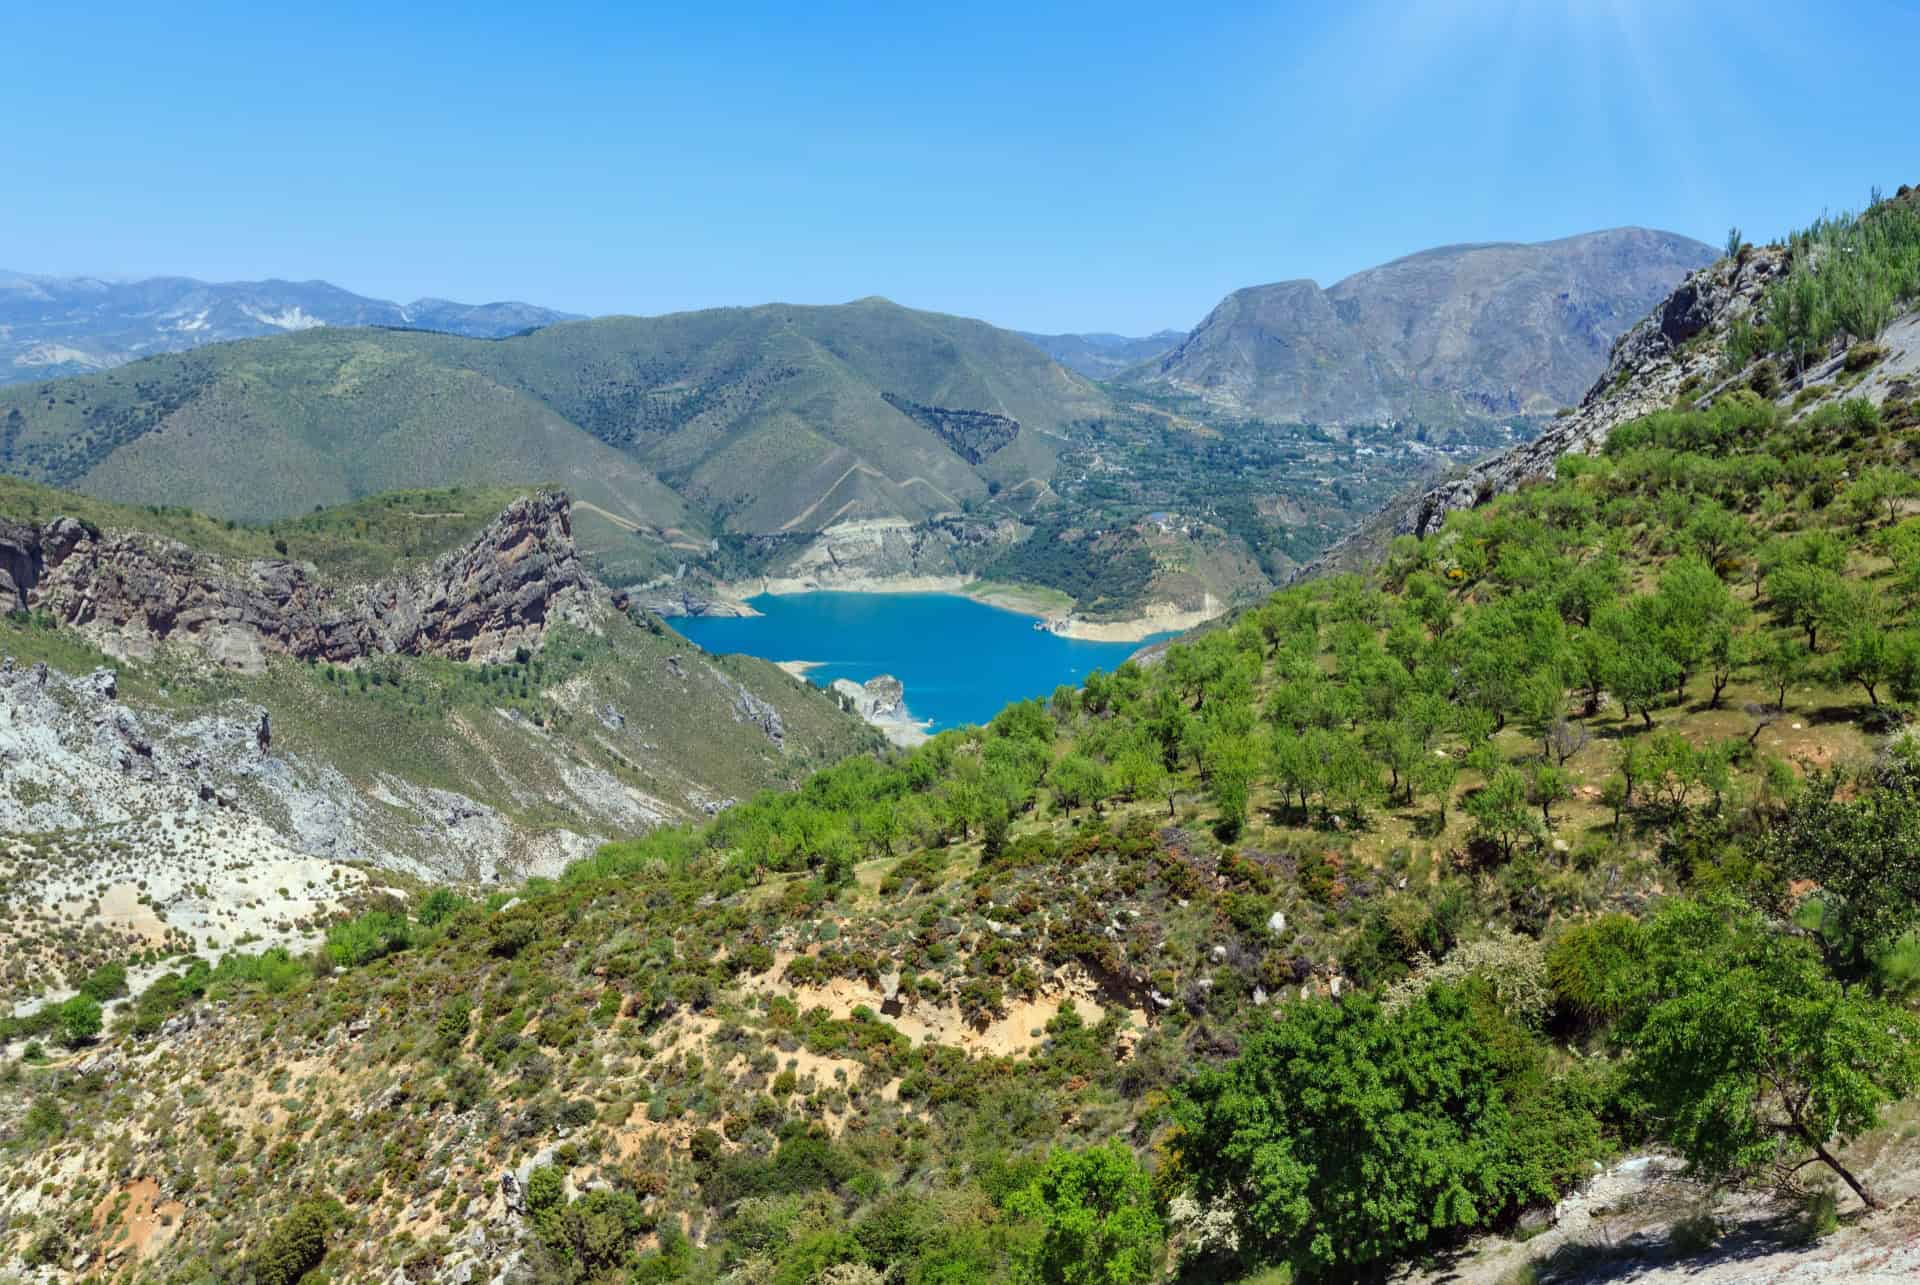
x=367 y=937
x=297 y=1243
x=1096 y=1219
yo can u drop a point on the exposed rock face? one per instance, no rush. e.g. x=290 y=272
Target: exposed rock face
x=882 y=702
x=1649 y=366
x=85 y=760
x=1456 y=333
x=881 y=553
x=132 y=591
x=749 y=708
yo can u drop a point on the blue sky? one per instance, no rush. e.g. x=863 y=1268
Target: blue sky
x=1053 y=167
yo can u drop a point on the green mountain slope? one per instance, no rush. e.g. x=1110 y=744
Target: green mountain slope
x=1345 y=936
x=768 y=419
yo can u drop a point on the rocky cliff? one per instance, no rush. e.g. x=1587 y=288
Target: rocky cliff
x=1456 y=333
x=1677 y=345
x=1677 y=355
x=130 y=591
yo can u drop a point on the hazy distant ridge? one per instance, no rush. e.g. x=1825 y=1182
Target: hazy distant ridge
x=52 y=326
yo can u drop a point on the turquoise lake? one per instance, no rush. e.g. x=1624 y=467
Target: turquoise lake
x=960 y=661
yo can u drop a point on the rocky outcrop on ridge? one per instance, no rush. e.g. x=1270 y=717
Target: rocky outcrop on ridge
x=1449 y=335
x=1677 y=346
x=129 y=591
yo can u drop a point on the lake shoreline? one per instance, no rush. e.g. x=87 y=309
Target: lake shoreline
x=1052 y=608
x=956 y=659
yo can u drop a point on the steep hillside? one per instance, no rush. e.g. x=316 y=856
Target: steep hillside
x=1449 y=335
x=1712 y=334
x=52 y=326
x=184 y=701
x=1542 y=904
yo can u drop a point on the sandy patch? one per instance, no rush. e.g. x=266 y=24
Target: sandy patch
x=121 y=907
x=1158 y=618
x=145 y=1223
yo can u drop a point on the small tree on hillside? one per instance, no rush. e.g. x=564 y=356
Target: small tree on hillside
x=1783 y=662
x=1096 y=1220
x=1500 y=812
x=1752 y=1058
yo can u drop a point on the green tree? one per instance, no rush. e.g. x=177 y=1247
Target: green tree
x=1139 y=774
x=297 y=1243
x=1078 y=781
x=1500 y=810
x=1641 y=671
x=1232 y=762
x=1783 y=662
x=1751 y=1058
x=1810 y=597
x=1434 y=777
x=1096 y=1219
x=1865 y=856
x=1346 y=1137
x=79 y=1020
x=1547 y=785
x=1868 y=657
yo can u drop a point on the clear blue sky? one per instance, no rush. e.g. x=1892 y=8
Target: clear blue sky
x=1111 y=166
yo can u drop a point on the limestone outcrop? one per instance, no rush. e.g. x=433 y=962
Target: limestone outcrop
x=882 y=701
x=129 y=591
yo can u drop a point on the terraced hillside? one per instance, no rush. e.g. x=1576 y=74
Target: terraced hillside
x=1405 y=910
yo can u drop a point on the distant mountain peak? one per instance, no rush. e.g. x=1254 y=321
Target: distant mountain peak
x=54 y=325
x=1471 y=331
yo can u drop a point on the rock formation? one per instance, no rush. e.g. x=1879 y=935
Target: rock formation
x=1462 y=332
x=882 y=701
x=130 y=591
x=1649 y=366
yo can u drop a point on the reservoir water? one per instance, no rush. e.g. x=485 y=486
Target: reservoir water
x=960 y=661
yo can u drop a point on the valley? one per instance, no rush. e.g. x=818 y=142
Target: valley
x=1509 y=872
x=722 y=453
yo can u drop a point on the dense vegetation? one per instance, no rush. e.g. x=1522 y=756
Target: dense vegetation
x=1402 y=901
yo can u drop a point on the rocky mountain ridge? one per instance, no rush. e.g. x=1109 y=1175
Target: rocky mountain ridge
x=1676 y=355
x=1464 y=332
x=130 y=591
x=237 y=721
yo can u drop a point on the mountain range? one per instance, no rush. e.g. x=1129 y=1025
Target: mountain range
x=842 y=445
x=1505 y=869
x=1450 y=334
x=52 y=326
